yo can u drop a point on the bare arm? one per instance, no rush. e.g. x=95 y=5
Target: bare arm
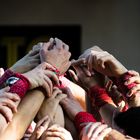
x=27 y=110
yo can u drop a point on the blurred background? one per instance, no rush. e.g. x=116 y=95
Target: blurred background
x=113 y=25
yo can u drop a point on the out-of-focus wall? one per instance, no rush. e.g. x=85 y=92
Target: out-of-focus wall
x=114 y=25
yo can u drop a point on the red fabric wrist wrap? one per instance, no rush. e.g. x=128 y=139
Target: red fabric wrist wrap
x=20 y=87
x=7 y=74
x=83 y=117
x=119 y=82
x=99 y=96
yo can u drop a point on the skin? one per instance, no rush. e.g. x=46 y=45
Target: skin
x=32 y=99
x=43 y=79
x=44 y=131
x=50 y=51
x=8 y=106
x=50 y=106
x=28 y=62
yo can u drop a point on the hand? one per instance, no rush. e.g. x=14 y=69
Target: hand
x=87 y=52
x=42 y=76
x=40 y=128
x=56 y=132
x=103 y=62
x=57 y=54
x=134 y=79
x=82 y=79
x=75 y=90
x=50 y=105
x=95 y=131
x=28 y=62
x=8 y=103
x=70 y=104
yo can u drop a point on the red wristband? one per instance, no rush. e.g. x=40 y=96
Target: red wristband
x=83 y=117
x=119 y=82
x=21 y=86
x=7 y=74
x=99 y=96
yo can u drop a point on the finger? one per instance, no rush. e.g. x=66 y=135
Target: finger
x=47 y=88
x=36 y=56
x=86 y=71
x=104 y=133
x=73 y=76
x=59 y=44
x=53 y=76
x=109 y=86
x=55 y=92
x=41 y=126
x=45 y=65
x=7 y=113
x=46 y=46
x=51 y=41
x=92 y=128
x=90 y=62
x=38 y=46
x=11 y=96
x=134 y=79
x=34 y=52
x=6 y=89
x=98 y=130
x=56 y=134
x=133 y=90
x=78 y=62
x=59 y=97
x=132 y=72
x=10 y=104
x=101 y=61
x=61 y=129
x=44 y=119
x=66 y=47
x=49 y=82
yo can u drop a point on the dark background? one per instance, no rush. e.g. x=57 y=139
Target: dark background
x=31 y=35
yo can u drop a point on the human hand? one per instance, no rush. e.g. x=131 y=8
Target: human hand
x=42 y=76
x=75 y=90
x=28 y=62
x=56 y=132
x=40 y=128
x=57 y=54
x=94 y=131
x=50 y=105
x=135 y=78
x=8 y=103
x=81 y=78
x=103 y=62
x=70 y=104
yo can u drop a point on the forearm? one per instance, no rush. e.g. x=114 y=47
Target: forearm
x=107 y=112
x=27 y=110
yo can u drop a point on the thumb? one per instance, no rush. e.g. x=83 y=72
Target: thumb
x=73 y=76
x=6 y=89
x=59 y=97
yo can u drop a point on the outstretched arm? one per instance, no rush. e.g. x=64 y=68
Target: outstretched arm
x=27 y=110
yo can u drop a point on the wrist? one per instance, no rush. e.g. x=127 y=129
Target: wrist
x=17 y=82
x=120 y=83
x=121 y=72
x=81 y=118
